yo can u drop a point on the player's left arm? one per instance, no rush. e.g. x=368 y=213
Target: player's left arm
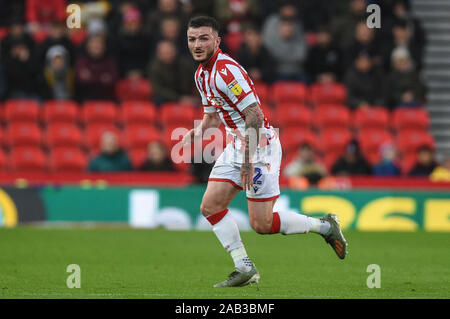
x=253 y=122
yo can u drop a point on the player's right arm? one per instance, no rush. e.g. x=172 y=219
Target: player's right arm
x=210 y=120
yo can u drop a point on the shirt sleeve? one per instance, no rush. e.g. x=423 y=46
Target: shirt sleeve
x=235 y=84
x=207 y=107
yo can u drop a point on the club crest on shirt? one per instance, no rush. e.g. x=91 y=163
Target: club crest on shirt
x=235 y=88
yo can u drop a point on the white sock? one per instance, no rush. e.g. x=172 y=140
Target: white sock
x=293 y=223
x=227 y=232
x=241 y=260
x=319 y=226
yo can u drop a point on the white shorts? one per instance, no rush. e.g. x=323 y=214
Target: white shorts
x=266 y=186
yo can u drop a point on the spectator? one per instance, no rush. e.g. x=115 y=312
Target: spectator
x=324 y=59
x=40 y=13
x=170 y=74
x=317 y=13
x=364 y=40
x=58 y=75
x=96 y=71
x=442 y=172
x=170 y=30
x=425 y=162
x=133 y=45
x=10 y=10
x=16 y=34
x=402 y=12
x=344 y=26
x=166 y=8
x=57 y=36
x=111 y=158
x=404 y=86
x=352 y=162
x=402 y=38
x=157 y=158
x=387 y=165
x=306 y=165
x=232 y=13
x=284 y=39
x=20 y=72
x=254 y=57
x=364 y=83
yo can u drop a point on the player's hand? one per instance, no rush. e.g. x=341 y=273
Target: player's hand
x=188 y=138
x=247 y=176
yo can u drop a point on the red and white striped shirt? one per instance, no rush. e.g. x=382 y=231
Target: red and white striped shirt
x=226 y=88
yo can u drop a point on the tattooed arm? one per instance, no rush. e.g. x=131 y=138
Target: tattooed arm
x=253 y=121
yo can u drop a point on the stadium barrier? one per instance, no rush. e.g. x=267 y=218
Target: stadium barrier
x=177 y=208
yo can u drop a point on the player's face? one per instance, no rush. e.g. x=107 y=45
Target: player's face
x=202 y=42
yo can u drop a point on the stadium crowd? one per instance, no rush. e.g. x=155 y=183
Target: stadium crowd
x=136 y=50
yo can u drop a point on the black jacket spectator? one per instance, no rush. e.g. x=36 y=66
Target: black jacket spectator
x=20 y=72
x=425 y=162
x=365 y=84
x=352 y=162
x=324 y=57
x=157 y=159
x=255 y=58
x=170 y=74
x=132 y=44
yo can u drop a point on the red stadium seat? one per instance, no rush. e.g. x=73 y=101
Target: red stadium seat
x=138 y=112
x=78 y=36
x=60 y=111
x=329 y=116
x=370 y=141
x=63 y=134
x=3 y=160
x=289 y=92
x=138 y=136
x=99 y=112
x=177 y=114
x=21 y=110
x=136 y=90
x=94 y=132
x=40 y=36
x=411 y=141
x=262 y=90
x=292 y=138
x=334 y=141
x=372 y=117
x=28 y=159
x=20 y=134
x=410 y=118
x=298 y=115
x=408 y=162
x=68 y=159
x=333 y=93
x=138 y=156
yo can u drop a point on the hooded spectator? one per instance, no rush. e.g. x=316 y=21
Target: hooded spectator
x=58 y=75
x=387 y=165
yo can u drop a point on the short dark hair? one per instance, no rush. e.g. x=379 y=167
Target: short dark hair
x=204 y=21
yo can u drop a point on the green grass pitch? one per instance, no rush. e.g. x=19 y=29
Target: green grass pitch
x=131 y=263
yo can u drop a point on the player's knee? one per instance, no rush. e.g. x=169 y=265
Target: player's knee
x=261 y=227
x=208 y=209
